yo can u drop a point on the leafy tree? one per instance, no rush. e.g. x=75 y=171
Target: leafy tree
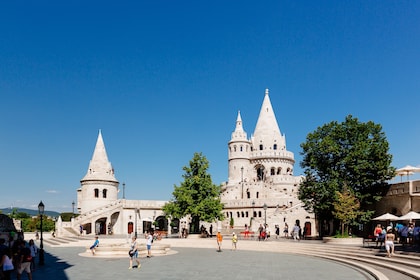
x=197 y=195
x=350 y=155
x=346 y=209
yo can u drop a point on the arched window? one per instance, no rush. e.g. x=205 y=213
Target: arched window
x=275 y=147
x=261 y=147
x=257 y=194
x=260 y=173
x=279 y=171
x=96 y=193
x=248 y=194
x=259 y=214
x=241 y=149
x=104 y=191
x=234 y=148
x=238 y=214
x=272 y=171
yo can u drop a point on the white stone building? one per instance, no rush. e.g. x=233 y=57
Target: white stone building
x=261 y=187
x=101 y=212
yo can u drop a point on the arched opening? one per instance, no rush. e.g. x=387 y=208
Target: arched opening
x=307 y=230
x=96 y=193
x=260 y=172
x=175 y=226
x=100 y=226
x=104 y=191
x=161 y=223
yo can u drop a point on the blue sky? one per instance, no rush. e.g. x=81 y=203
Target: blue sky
x=165 y=79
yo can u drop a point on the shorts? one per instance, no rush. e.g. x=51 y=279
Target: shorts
x=149 y=247
x=389 y=244
x=135 y=255
x=25 y=266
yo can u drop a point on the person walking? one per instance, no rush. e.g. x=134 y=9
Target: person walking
x=389 y=242
x=149 y=243
x=34 y=251
x=24 y=262
x=286 y=230
x=95 y=244
x=234 y=241
x=296 y=231
x=134 y=254
x=219 y=241
x=6 y=264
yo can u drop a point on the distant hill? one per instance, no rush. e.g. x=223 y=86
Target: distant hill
x=30 y=212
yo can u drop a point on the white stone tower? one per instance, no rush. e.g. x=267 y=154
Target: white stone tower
x=239 y=153
x=99 y=187
x=261 y=187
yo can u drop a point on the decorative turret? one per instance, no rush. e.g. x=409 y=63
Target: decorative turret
x=239 y=150
x=99 y=186
x=99 y=167
x=269 y=155
x=267 y=135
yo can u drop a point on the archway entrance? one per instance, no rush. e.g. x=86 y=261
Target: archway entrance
x=308 y=231
x=130 y=227
x=100 y=226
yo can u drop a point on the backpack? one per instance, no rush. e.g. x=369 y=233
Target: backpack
x=27 y=255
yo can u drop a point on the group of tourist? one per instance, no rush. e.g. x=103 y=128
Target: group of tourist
x=17 y=255
x=405 y=234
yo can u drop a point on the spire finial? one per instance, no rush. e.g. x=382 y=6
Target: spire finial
x=266 y=91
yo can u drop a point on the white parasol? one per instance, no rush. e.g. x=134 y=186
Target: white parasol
x=386 y=217
x=407 y=170
x=410 y=216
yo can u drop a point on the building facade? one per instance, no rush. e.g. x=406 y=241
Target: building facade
x=261 y=188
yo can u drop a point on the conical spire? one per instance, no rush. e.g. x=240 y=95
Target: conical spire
x=99 y=167
x=267 y=131
x=239 y=132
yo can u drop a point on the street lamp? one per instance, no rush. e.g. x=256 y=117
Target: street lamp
x=41 y=246
x=123 y=190
x=135 y=213
x=242 y=182
x=265 y=214
x=72 y=204
x=253 y=205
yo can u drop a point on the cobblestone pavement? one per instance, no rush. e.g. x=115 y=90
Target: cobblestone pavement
x=193 y=263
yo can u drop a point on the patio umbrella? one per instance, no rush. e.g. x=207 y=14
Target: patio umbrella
x=386 y=217
x=407 y=170
x=410 y=216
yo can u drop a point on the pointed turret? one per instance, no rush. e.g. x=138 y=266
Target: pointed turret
x=239 y=133
x=267 y=132
x=99 y=167
x=99 y=186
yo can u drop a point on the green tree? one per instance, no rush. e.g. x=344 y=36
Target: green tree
x=197 y=195
x=351 y=155
x=346 y=209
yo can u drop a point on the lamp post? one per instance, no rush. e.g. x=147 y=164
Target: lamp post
x=123 y=190
x=41 y=246
x=253 y=205
x=265 y=214
x=72 y=204
x=135 y=213
x=242 y=182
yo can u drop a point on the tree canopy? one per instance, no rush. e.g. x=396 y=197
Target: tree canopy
x=197 y=195
x=351 y=156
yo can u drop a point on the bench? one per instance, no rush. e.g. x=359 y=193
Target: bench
x=246 y=234
x=368 y=240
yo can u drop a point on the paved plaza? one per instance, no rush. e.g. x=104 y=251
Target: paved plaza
x=194 y=263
